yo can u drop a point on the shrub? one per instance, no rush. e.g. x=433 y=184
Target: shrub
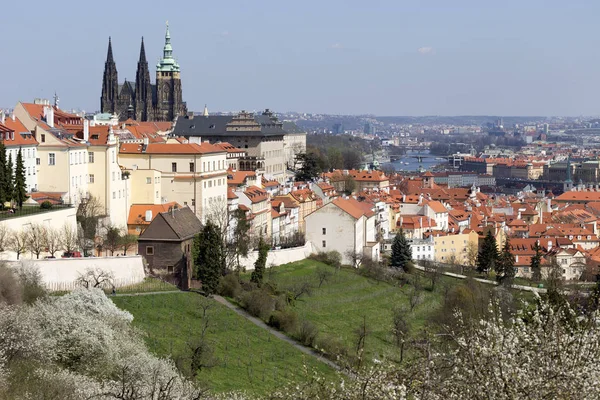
x=229 y=286
x=332 y=347
x=32 y=286
x=332 y=258
x=286 y=320
x=258 y=303
x=307 y=333
x=46 y=205
x=10 y=290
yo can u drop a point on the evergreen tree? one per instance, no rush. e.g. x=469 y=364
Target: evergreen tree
x=260 y=263
x=505 y=265
x=207 y=257
x=240 y=243
x=8 y=179
x=487 y=257
x=536 y=263
x=309 y=167
x=3 y=194
x=20 y=188
x=401 y=253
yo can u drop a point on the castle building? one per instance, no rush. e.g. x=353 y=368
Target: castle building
x=141 y=100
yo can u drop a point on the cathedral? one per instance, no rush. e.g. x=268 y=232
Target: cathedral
x=141 y=100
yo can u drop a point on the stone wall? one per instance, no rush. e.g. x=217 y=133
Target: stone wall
x=61 y=273
x=279 y=257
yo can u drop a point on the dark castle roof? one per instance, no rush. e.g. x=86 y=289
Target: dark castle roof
x=216 y=125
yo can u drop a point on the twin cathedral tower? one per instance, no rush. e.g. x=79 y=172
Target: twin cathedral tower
x=141 y=100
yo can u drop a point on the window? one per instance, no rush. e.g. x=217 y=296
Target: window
x=324 y=243
x=113 y=176
x=148 y=180
x=214 y=166
x=193 y=202
x=174 y=167
x=114 y=195
x=170 y=269
x=149 y=250
x=38 y=161
x=91 y=179
x=192 y=167
x=51 y=159
x=28 y=171
x=91 y=157
x=324 y=231
x=157 y=194
x=43 y=138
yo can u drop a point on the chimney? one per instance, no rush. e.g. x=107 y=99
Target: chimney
x=148 y=216
x=404 y=198
x=173 y=212
x=146 y=141
x=49 y=115
x=2 y=116
x=12 y=116
x=86 y=130
x=549 y=245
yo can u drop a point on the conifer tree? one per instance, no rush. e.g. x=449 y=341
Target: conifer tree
x=505 y=265
x=260 y=263
x=3 y=194
x=536 y=263
x=401 y=253
x=487 y=257
x=20 y=189
x=207 y=257
x=8 y=179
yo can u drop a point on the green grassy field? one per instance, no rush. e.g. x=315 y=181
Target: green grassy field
x=249 y=358
x=338 y=307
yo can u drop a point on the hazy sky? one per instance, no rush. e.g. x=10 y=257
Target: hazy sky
x=510 y=57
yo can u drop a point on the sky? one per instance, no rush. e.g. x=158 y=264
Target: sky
x=396 y=57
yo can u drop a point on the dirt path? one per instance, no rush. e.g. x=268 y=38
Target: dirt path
x=304 y=349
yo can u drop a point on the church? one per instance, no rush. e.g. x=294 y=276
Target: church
x=141 y=100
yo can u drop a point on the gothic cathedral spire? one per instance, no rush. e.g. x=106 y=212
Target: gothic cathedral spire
x=110 y=83
x=143 y=88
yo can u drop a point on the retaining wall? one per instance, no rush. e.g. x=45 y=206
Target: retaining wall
x=61 y=273
x=279 y=257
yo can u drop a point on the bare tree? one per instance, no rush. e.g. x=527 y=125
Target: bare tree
x=200 y=351
x=95 y=278
x=89 y=213
x=433 y=272
x=400 y=329
x=472 y=253
x=355 y=258
x=36 y=239
x=17 y=242
x=53 y=240
x=68 y=238
x=323 y=274
x=361 y=337
x=4 y=236
x=415 y=295
x=299 y=289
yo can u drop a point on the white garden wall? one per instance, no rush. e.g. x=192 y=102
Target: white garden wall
x=61 y=273
x=279 y=257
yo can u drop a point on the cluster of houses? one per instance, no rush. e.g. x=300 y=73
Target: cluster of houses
x=204 y=167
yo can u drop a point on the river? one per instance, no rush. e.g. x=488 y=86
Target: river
x=410 y=162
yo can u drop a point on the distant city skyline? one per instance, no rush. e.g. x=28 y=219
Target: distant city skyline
x=384 y=58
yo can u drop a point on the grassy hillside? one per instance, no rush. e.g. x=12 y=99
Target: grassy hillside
x=338 y=307
x=250 y=359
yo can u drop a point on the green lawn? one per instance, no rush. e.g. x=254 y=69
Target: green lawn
x=149 y=284
x=250 y=358
x=338 y=307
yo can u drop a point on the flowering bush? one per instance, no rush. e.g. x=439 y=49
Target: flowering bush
x=81 y=346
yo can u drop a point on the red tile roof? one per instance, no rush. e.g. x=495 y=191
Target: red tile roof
x=353 y=207
x=173 y=148
x=137 y=212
